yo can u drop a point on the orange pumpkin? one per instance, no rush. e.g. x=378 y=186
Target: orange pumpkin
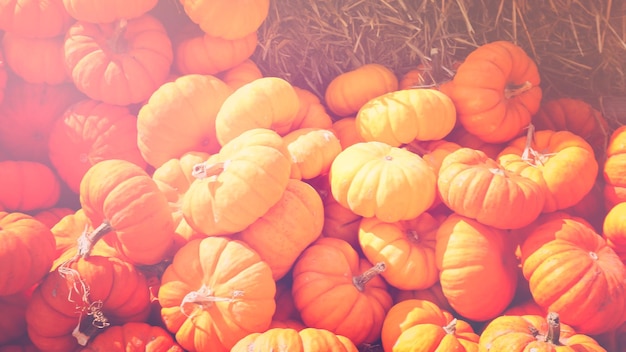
x=402 y=116
x=432 y=294
x=179 y=117
x=460 y=136
x=572 y=271
x=36 y=60
x=106 y=11
x=68 y=229
x=33 y=18
x=345 y=129
x=216 y=292
x=127 y=210
x=133 y=336
x=28 y=186
x=376 y=179
x=312 y=114
x=121 y=62
x=241 y=74
x=349 y=91
x=477 y=265
x=614 y=230
x=420 y=325
x=496 y=91
x=13 y=317
x=51 y=216
x=406 y=247
x=476 y=186
x=305 y=340
x=337 y=290
x=89 y=132
x=312 y=151
x=613 y=170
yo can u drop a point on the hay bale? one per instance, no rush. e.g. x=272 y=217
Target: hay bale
x=579 y=47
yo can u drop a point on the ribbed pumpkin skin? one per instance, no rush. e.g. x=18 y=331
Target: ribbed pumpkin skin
x=29 y=18
x=614 y=230
x=28 y=186
x=13 y=318
x=133 y=336
x=305 y=340
x=56 y=305
x=106 y=11
x=613 y=172
x=45 y=58
x=234 y=293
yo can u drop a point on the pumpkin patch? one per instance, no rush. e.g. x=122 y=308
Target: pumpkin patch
x=161 y=191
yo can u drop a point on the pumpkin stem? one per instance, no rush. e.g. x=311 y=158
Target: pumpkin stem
x=87 y=240
x=514 y=90
x=204 y=170
x=530 y=136
x=451 y=327
x=204 y=298
x=554 y=328
x=90 y=325
x=361 y=280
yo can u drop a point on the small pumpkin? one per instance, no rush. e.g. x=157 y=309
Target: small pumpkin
x=414 y=325
x=337 y=290
x=13 y=318
x=345 y=129
x=28 y=186
x=614 y=230
x=215 y=292
x=31 y=19
x=106 y=11
x=36 y=60
x=376 y=179
x=312 y=114
x=133 y=336
x=432 y=294
x=241 y=74
x=613 y=170
x=51 y=216
x=312 y=151
x=305 y=340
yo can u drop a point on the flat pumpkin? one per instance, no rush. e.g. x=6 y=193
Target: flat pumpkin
x=305 y=340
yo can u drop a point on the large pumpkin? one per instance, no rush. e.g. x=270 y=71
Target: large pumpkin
x=376 y=179
x=121 y=62
x=216 y=292
x=305 y=340
x=127 y=210
x=239 y=184
x=28 y=186
x=80 y=298
x=496 y=91
x=478 y=268
x=337 y=290
x=179 y=117
x=474 y=185
x=572 y=271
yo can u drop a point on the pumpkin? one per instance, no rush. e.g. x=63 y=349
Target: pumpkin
x=312 y=151
x=197 y=52
x=89 y=132
x=13 y=318
x=28 y=113
x=417 y=77
x=534 y=333
x=345 y=129
x=562 y=163
x=614 y=230
x=312 y=113
x=239 y=184
x=477 y=265
x=179 y=117
x=36 y=60
x=243 y=73
x=121 y=62
x=27 y=186
x=133 y=336
x=268 y=102
x=613 y=170
x=496 y=91
x=576 y=116
x=106 y=11
x=432 y=294
x=227 y=19
x=25 y=346
x=341 y=222
x=68 y=229
x=51 y=216
x=34 y=18
x=215 y=292
x=407 y=248
x=337 y=290
x=592 y=206
x=80 y=298
x=527 y=307
x=474 y=185
x=460 y=136
x=349 y=91
x=127 y=210
x=572 y=271
x=419 y=325
x=376 y=179
x=305 y=340
x=287 y=228
x=402 y=116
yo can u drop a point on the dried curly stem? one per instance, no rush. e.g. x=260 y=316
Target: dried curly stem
x=515 y=90
x=87 y=240
x=451 y=327
x=361 y=280
x=204 y=298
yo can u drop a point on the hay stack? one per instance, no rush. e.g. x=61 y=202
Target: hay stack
x=579 y=46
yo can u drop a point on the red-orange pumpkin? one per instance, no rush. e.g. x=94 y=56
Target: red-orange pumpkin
x=34 y=18
x=614 y=229
x=36 y=60
x=241 y=74
x=133 y=336
x=27 y=186
x=614 y=173
x=51 y=216
x=13 y=317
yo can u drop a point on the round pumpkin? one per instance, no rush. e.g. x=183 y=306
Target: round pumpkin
x=36 y=60
x=345 y=129
x=34 y=18
x=243 y=73
x=51 y=216
x=534 y=333
x=460 y=136
x=496 y=91
x=179 y=117
x=477 y=265
x=613 y=170
x=28 y=186
x=419 y=325
x=106 y=11
x=407 y=248
x=121 y=62
x=474 y=185
x=127 y=210
x=239 y=184
x=402 y=116
x=81 y=297
x=349 y=91
x=89 y=132
x=312 y=151
x=337 y=290
x=312 y=114
x=432 y=294
x=215 y=292
x=376 y=179
x=305 y=340
x=572 y=271
x=614 y=230
x=133 y=336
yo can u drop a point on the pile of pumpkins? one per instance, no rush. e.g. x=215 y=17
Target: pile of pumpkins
x=159 y=193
